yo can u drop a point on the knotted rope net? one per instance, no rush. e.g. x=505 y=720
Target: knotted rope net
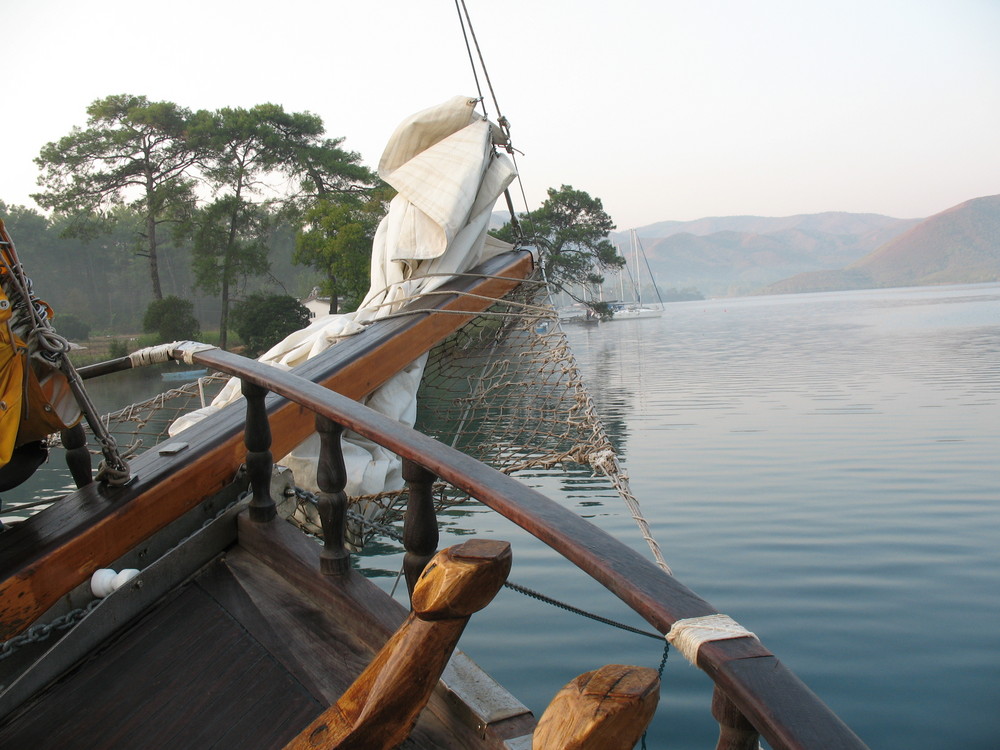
x=144 y=424
x=505 y=389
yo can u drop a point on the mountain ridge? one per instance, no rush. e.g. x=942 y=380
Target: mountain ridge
x=958 y=245
x=827 y=221
x=735 y=255
x=724 y=256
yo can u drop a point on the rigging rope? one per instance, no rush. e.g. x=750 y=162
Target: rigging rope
x=501 y=120
x=605 y=462
x=53 y=349
x=507 y=390
x=577 y=611
x=397 y=536
x=503 y=123
x=468 y=49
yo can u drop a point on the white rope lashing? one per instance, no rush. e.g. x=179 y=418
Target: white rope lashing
x=160 y=353
x=689 y=634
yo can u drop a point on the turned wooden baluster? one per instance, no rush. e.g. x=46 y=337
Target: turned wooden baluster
x=74 y=440
x=378 y=711
x=607 y=709
x=257 y=438
x=735 y=732
x=331 y=501
x=420 y=531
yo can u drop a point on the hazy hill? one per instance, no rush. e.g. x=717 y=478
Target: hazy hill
x=829 y=222
x=729 y=255
x=959 y=245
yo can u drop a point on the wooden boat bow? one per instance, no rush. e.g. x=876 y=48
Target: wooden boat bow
x=54 y=551
x=762 y=689
x=43 y=558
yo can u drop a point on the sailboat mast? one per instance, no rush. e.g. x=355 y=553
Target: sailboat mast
x=638 y=281
x=648 y=269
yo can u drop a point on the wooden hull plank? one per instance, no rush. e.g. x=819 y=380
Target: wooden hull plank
x=245 y=655
x=367 y=616
x=188 y=677
x=122 y=607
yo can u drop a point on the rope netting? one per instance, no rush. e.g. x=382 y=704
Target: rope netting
x=142 y=425
x=505 y=389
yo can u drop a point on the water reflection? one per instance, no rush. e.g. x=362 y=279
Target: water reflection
x=824 y=465
x=820 y=467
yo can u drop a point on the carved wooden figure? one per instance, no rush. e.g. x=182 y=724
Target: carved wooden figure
x=379 y=709
x=607 y=709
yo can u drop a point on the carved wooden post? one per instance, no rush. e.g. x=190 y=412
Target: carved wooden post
x=74 y=440
x=735 y=732
x=331 y=478
x=257 y=438
x=378 y=711
x=608 y=708
x=420 y=531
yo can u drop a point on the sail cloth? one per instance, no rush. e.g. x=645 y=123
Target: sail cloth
x=448 y=176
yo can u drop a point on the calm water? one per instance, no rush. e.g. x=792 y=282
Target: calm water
x=824 y=469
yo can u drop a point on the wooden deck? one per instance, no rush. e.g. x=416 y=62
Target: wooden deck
x=244 y=655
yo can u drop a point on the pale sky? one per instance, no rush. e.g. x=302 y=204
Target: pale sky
x=664 y=109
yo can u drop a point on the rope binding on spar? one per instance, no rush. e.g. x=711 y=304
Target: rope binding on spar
x=465 y=21
x=42 y=392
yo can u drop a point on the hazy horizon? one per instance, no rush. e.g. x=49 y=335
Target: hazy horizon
x=666 y=111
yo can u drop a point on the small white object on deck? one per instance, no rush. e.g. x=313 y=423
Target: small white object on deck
x=105 y=581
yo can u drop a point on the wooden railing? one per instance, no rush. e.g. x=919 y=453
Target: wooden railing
x=754 y=691
x=45 y=557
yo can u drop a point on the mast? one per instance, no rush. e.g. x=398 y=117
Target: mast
x=634 y=241
x=639 y=248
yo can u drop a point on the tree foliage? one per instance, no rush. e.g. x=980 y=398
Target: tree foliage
x=262 y=320
x=171 y=319
x=233 y=182
x=243 y=152
x=103 y=283
x=230 y=245
x=98 y=279
x=336 y=239
x=133 y=152
x=72 y=327
x=327 y=172
x=570 y=230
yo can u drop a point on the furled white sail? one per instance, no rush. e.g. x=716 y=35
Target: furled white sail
x=448 y=176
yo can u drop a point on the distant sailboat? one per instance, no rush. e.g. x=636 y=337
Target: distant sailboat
x=636 y=310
